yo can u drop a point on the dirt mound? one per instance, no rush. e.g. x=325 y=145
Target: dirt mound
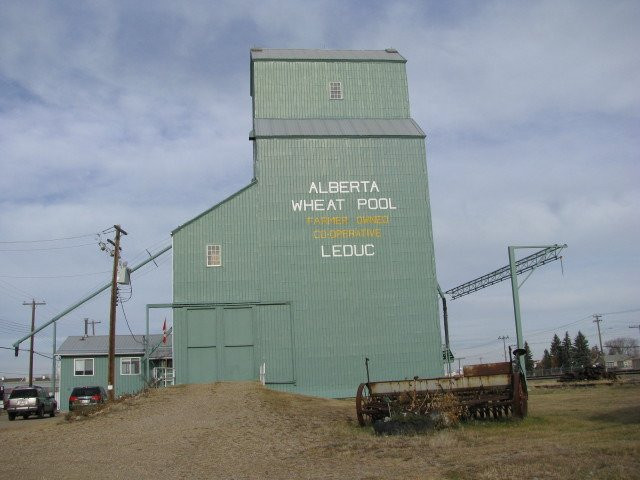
x=221 y=430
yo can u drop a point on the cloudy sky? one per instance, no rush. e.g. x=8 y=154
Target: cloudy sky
x=138 y=113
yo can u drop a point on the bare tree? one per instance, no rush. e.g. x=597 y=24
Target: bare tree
x=622 y=346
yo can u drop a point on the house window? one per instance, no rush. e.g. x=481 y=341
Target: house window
x=335 y=90
x=130 y=366
x=83 y=367
x=214 y=256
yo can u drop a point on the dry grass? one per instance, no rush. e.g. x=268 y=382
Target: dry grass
x=242 y=430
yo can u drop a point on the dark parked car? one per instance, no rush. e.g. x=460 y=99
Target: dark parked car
x=86 y=396
x=30 y=400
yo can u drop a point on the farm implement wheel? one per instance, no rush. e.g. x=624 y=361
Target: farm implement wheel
x=362 y=400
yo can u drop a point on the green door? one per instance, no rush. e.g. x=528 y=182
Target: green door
x=203 y=364
x=202 y=354
x=238 y=344
x=220 y=344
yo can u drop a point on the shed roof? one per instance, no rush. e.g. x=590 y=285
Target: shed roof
x=333 y=127
x=125 y=345
x=388 y=55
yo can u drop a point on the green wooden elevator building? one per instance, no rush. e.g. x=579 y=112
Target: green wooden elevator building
x=326 y=257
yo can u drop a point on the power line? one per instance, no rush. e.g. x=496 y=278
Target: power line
x=13 y=328
x=537 y=332
x=127 y=322
x=23 y=294
x=48 y=239
x=44 y=248
x=10 y=294
x=145 y=252
x=529 y=334
x=74 y=237
x=16 y=289
x=533 y=333
x=56 y=276
x=621 y=311
x=23 y=350
x=18 y=324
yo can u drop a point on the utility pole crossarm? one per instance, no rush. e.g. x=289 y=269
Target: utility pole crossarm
x=526 y=264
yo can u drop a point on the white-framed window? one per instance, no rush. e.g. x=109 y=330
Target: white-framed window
x=130 y=366
x=335 y=90
x=83 y=367
x=214 y=256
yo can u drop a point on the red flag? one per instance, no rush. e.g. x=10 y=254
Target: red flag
x=164 y=331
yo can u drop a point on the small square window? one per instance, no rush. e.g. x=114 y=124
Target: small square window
x=335 y=90
x=214 y=256
x=83 y=367
x=130 y=366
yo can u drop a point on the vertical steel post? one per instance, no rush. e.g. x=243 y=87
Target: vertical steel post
x=146 y=349
x=516 y=304
x=445 y=319
x=53 y=361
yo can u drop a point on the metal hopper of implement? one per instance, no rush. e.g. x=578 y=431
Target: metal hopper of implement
x=490 y=390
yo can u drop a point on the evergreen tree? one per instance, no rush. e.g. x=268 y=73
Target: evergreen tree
x=566 y=351
x=554 y=351
x=546 y=360
x=581 y=352
x=528 y=358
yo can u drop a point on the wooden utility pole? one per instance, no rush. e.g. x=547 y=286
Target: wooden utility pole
x=112 y=317
x=598 y=319
x=33 y=304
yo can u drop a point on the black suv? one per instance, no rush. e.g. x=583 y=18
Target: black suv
x=30 y=400
x=86 y=397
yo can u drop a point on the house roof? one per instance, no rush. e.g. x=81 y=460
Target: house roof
x=336 y=127
x=125 y=345
x=388 y=55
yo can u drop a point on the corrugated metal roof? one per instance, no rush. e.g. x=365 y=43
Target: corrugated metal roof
x=331 y=127
x=388 y=55
x=125 y=345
